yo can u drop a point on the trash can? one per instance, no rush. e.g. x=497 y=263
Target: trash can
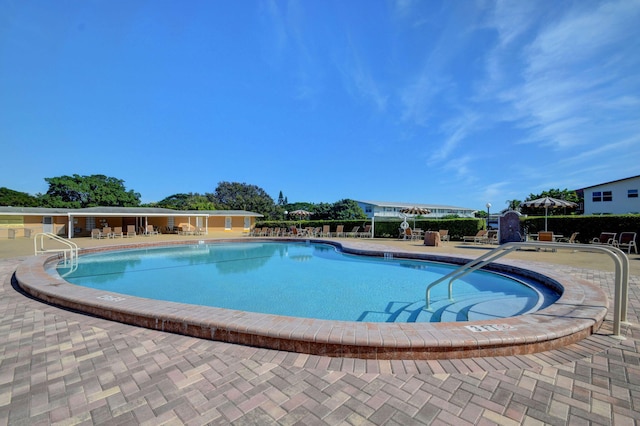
x=432 y=238
x=12 y=234
x=27 y=232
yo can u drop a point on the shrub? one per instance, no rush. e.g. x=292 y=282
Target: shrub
x=589 y=227
x=388 y=228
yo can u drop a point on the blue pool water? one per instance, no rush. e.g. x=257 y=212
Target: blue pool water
x=305 y=280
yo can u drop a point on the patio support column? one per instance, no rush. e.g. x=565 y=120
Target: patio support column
x=373 y=225
x=70 y=224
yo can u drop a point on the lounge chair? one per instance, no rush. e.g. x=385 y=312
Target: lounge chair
x=409 y=234
x=444 y=235
x=339 y=231
x=326 y=231
x=481 y=235
x=571 y=240
x=105 y=233
x=354 y=232
x=95 y=233
x=366 y=232
x=605 y=238
x=627 y=240
x=285 y=232
x=491 y=237
x=131 y=231
x=117 y=232
x=186 y=230
x=150 y=231
x=417 y=234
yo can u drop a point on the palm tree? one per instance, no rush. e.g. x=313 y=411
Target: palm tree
x=514 y=204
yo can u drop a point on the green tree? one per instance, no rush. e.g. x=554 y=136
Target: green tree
x=340 y=210
x=323 y=211
x=301 y=205
x=564 y=194
x=9 y=197
x=188 y=201
x=88 y=191
x=347 y=209
x=242 y=196
x=514 y=204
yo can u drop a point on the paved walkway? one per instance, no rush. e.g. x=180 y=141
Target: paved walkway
x=59 y=367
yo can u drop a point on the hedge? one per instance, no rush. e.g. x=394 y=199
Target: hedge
x=589 y=227
x=387 y=228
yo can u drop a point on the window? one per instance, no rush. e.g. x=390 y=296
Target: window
x=597 y=196
x=607 y=196
x=632 y=193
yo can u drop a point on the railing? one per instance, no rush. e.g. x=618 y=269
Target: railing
x=620 y=260
x=71 y=248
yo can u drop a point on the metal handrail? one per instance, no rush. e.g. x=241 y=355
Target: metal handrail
x=620 y=260
x=72 y=248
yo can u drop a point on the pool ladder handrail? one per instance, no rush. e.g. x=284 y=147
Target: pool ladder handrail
x=620 y=260
x=71 y=248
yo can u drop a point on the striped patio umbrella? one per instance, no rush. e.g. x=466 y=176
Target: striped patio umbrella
x=300 y=214
x=548 y=203
x=414 y=211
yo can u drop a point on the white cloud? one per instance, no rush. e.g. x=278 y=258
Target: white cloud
x=494 y=194
x=456 y=131
x=359 y=80
x=576 y=72
x=512 y=19
x=459 y=167
x=417 y=99
x=275 y=30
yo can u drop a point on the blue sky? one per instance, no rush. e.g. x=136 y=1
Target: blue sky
x=441 y=102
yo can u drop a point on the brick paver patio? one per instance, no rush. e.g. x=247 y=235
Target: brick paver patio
x=60 y=367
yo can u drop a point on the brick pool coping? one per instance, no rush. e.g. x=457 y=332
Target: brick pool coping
x=578 y=313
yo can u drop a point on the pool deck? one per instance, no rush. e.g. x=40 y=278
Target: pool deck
x=58 y=366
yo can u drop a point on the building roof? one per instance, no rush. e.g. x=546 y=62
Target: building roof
x=613 y=181
x=32 y=211
x=232 y=213
x=119 y=211
x=409 y=205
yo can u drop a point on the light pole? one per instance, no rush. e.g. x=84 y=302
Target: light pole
x=488 y=212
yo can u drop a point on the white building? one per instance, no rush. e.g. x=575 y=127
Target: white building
x=616 y=197
x=390 y=209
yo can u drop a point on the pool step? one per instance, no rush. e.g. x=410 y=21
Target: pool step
x=472 y=308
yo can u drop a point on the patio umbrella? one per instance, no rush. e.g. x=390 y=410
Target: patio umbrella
x=547 y=203
x=414 y=211
x=300 y=214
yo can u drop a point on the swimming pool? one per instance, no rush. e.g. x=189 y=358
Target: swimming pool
x=306 y=280
x=578 y=313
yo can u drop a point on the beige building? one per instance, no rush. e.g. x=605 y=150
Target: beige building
x=24 y=221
